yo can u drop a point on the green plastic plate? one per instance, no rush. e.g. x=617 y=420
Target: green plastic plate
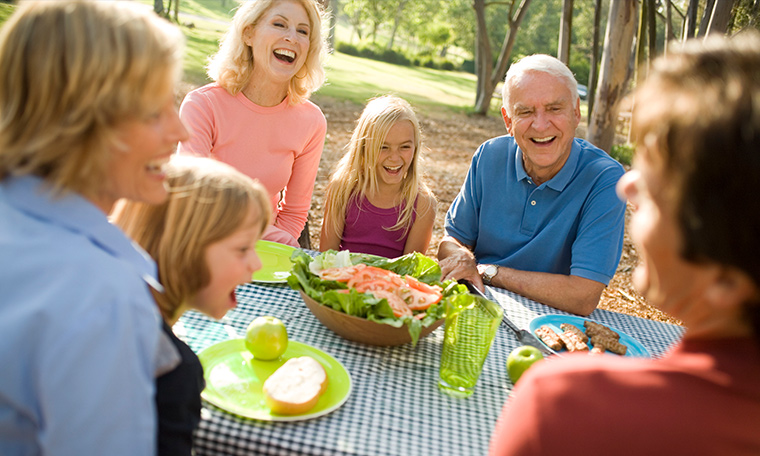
x=275 y=262
x=234 y=380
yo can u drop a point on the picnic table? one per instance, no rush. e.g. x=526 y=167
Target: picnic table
x=394 y=407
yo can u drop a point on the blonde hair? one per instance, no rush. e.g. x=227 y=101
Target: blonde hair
x=232 y=66
x=72 y=72
x=356 y=173
x=208 y=201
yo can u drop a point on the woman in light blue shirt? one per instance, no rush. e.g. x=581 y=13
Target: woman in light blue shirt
x=87 y=117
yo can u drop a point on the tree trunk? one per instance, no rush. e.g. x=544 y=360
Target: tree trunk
x=668 y=25
x=618 y=41
x=158 y=7
x=176 y=11
x=397 y=21
x=652 y=29
x=690 y=24
x=489 y=76
x=720 y=17
x=593 y=70
x=482 y=53
x=706 y=13
x=641 y=60
x=565 y=32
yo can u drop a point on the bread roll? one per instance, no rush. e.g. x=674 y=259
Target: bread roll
x=296 y=386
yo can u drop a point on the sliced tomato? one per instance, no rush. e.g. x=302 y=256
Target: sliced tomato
x=376 y=284
x=422 y=286
x=399 y=307
x=419 y=295
x=418 y=300
x=371 y=273
x=343 y=274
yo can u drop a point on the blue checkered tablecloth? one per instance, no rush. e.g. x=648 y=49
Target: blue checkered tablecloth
x=395 y=407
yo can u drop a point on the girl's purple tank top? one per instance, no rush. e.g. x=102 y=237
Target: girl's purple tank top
x=365 y=229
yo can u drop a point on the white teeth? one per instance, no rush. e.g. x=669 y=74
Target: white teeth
x=393 y=169
x=286 y=53
x=543 y=140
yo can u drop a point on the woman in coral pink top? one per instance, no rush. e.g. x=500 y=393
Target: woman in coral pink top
x=256 y=116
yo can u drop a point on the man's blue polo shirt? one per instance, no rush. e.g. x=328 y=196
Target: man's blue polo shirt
x=572 y=224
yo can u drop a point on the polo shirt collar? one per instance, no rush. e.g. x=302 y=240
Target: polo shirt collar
x=32 y=195
x=562 y=178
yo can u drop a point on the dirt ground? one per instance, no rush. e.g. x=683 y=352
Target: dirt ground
x=450 y=140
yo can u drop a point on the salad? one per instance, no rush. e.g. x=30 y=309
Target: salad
x=397 y=292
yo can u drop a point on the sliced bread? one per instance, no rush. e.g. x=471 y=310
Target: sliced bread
x=296 y=386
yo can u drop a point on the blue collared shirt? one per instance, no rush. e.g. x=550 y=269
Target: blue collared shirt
x=572 y=224
x=79 y=329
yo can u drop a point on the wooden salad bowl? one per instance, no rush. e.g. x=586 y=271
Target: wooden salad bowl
x=360 y=329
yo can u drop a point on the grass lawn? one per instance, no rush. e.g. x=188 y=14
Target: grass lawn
x=5 y=11
x=358 y=79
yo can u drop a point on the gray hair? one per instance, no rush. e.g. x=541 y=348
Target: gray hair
x=542 y=63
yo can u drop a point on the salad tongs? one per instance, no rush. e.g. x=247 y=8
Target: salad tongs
x=524 y=336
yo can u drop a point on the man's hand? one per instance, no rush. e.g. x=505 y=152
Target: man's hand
x=458 y=262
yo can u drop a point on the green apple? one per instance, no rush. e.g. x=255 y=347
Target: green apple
x=266 y=338
x=520 y=360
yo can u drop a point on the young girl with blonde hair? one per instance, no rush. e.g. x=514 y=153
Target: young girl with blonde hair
x=376 y=201
x=203 y=241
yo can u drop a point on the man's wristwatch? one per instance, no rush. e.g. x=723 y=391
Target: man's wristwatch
x=488 y=272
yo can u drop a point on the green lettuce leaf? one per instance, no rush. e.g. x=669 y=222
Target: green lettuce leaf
x=365 y=305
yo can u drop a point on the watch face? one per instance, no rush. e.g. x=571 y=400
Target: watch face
x=490 y=270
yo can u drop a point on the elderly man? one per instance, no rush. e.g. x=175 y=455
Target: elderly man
x=538 y=213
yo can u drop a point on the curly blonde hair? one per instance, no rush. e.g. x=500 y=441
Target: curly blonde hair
x=232 y=66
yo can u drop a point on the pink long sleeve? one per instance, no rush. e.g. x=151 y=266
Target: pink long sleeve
x=280 y=146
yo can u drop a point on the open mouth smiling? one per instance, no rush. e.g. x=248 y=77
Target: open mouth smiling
x=543 y=141
x=393 y=169
x=285 y=55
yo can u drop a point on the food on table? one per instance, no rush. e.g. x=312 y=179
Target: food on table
x=567 y=327
x=296 y=386
x=404 y=294
x=266 y=338
x=605 y=338
x=400 y=292
x=596 y=329
x=549 y=337
x=573 y=338
x=605 y=342
x=572 y=342
x=520 y=359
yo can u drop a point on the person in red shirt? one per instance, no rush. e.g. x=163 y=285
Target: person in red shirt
x=697 y=130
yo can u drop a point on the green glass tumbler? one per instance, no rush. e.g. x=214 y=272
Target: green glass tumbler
x=470 y=328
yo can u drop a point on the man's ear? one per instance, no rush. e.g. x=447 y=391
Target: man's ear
x=731 y=289
x=507 y=120
x=577 y=110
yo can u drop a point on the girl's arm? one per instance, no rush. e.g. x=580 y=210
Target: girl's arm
x=422 y=229
x=329 y=239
